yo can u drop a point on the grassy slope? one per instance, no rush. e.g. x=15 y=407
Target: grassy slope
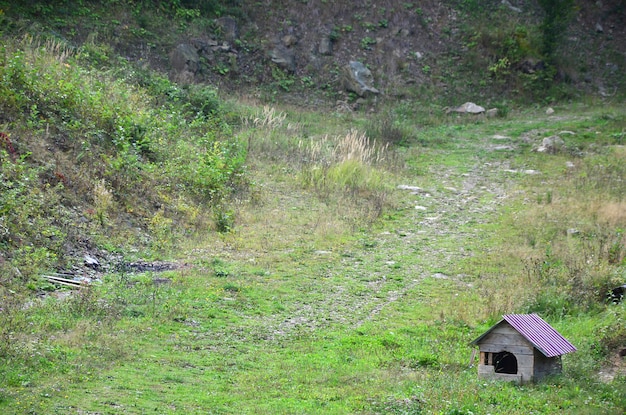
x=300 y=311
x=313 y=303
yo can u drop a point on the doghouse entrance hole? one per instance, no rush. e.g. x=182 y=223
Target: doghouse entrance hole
x=505 y=362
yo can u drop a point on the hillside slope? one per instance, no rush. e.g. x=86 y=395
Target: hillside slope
x=231 y=253
x=442 y=52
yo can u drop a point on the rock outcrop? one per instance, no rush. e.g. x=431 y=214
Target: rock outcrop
x=358 y=78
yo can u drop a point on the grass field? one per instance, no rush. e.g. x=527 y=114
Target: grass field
x=353 y=277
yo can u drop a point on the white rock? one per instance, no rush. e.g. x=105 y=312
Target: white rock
x=551 y=144
x=411 y=188
x=91 y=261
x=470 y=108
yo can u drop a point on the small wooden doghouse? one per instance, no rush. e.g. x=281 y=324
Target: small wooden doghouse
x=521 y=348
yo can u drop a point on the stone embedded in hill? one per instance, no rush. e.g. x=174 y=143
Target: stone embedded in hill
x=530 y=66
x=284 y=57
x=289 y=40
x=229 y=28
x=192 y=59
x=326 y=46
x=185 y=58
x=358 y=79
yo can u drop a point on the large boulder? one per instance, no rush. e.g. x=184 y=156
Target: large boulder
x=284 y=57
x=229 y=28
x=185 y=58
x=358 y=79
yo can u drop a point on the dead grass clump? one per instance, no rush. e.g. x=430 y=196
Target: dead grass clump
x=354 y=146
x=51 y=49
x=103 y=201
x=357 y=146
x=612 y=213
x=346 y=168
x=268 y=118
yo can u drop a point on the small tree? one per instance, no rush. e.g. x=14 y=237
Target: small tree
x=558 y=14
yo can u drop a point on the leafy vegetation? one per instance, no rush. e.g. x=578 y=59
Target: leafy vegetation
x=72 y=131
x=325 y=261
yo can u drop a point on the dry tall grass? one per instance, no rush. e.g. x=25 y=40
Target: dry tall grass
x=268 y=118
x=51 y=49
x=357 y=146
x=103 y=201
x=354 y=146
x=573 y=248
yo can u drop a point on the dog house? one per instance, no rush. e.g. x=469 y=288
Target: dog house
x=521 y=348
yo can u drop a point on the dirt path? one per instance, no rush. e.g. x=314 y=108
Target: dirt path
x=433 y=228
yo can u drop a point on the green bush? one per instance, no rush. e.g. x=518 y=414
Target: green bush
x=31 y=227
x=558 y=14
x=201 y=100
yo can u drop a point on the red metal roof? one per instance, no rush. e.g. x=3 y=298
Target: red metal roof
x=534 y=329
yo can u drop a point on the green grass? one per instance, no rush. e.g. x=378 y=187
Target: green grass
x=290 y=313
x=311 y=282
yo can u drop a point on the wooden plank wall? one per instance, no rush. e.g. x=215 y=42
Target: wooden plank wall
x=505 y=338
x=545 y=366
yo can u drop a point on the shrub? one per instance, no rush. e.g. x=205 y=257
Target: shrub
x=558 y=14
x=224 y=219
x=385 y=130
x=201 y=100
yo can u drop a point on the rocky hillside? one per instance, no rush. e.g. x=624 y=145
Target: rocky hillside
x=110 y=126
x=297 y=51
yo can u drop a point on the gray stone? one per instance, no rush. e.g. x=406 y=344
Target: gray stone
x=358 y=79
x=284 y=57
x=551 y=145
x=411 y=188
x=91 y=262
x=325 y=46
x=492 y=113
x=229 y=28
x=508 y=4
x=185 y=58
x=468 y=108
x=573 y=232
x=400 y=31
x=289 y=40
